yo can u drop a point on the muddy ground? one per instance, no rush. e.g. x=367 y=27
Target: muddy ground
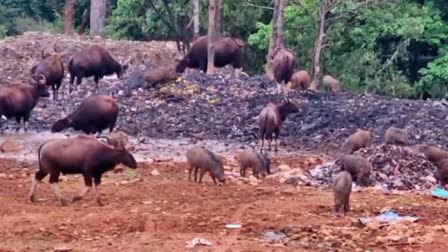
x=145 y=212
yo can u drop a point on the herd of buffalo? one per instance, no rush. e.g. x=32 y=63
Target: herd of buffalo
x=92 y=158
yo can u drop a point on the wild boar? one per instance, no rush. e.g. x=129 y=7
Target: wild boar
x=283 y=63
x=358 y=167
x=271 y=119
x=254 y=160
x=359 y=139
x=94 y=61
x=300 y=80
x=396 y=136
x=96 y=113
x=331 y=84
x=158 y=76
x=17 y=101
x=432 y=153
x=228 y=51
x=52 y=68
x=200 y=158
x=441 y=175
x=342 y=187
x=78 y=155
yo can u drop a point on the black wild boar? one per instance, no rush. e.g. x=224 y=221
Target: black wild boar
x=342 y=187
x=358 y=167
x=52 y=68
x=396 y=136
x=359 y=139
x=300 y=80
x=78 y=155
x=96 y=113
x=283 y=63
x=228 y=51
x=259 y=163
x=200 y=158
x=270 y=120
x=94 y=61
x=17 y=101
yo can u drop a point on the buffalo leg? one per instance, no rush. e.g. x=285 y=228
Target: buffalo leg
x=58 y=86
x=279 y=88
x=19 y=123
x=112 y=126
x=88 y=184
x=38 y=176
x=54 y=179
x=78 y=80
x=276 y=134
x=55 y=92
x=26 y=118
x=97 y=79
x=262 y=143
x=270 y=142
x=213 y=178
x=72 y=80
x=97 y=180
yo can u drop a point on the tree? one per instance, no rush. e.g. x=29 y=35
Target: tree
x=97 y=17
x=68 y=16
x=85 y=19
x=276 y=38
x=214 y=6
x=326 y=18
x=196 y=24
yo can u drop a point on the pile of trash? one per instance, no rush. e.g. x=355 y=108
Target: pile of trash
x=216 y=107
x=394 y=168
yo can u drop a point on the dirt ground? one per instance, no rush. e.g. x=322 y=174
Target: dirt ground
x=147 y=212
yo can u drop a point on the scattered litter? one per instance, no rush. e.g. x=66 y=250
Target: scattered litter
x=233 y=226
x=273 y=237
x=155 y=172
x=387 y=218
x=198 y=241
x=439 y=192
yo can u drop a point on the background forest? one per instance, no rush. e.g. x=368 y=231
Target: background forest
x=390 y=47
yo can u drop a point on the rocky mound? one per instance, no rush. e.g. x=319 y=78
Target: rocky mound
x=218 y=107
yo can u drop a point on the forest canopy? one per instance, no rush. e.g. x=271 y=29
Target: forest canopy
x=389 y=47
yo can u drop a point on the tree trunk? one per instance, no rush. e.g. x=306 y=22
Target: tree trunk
x=85 y=18
x=97 y=17
x=212 y=34
x=273 y=40
x=281 y=7
x=219 y=19
x=318 y=49
x=68 y=16
x=196 y=24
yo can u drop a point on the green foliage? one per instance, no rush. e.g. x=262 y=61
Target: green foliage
x=128 y=20
x=390 y=47
x=386 y=47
